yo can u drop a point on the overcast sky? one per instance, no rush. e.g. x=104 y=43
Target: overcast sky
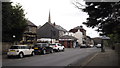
x=63 y=13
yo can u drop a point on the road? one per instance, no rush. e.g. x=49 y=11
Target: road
x=69 y=56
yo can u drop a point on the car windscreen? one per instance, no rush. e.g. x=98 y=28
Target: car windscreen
x=52 y=44
x=37 y=45
x=44 y=45
x=14 y=47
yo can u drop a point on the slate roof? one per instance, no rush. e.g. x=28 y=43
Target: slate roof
x=48 y=31
x=76 y=29
x=68 y=37
x=30 y=23
x=60 y=28
x=73 y=30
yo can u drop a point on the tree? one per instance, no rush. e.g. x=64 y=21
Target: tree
x=13 y=22
x=105 y=16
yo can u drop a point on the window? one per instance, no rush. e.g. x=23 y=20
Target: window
x=14 y=47
x=23 y=47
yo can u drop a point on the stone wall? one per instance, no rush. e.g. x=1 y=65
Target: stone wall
x=117 y=48
x=5 y=47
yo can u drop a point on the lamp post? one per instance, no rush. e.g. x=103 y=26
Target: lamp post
x=14 y=39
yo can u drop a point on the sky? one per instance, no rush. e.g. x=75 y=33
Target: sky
x=63 y=13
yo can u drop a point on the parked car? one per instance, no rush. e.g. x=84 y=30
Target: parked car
x=91 y=45
x=57 y=47
x=20 y=50
x=42 y=48
x=98 y=45
x=83 y=46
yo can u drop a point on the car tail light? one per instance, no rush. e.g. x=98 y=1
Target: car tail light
x=55 y=45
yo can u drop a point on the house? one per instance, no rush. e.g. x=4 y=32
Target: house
x=38 y=26
x=97 y=40
x=89 y=41
x=79 y=33
x=29 y=36
x=68 y=41
x=50 y=32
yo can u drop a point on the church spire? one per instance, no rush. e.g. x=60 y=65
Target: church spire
x=49 y=18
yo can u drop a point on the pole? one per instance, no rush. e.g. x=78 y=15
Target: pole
x=102 y=46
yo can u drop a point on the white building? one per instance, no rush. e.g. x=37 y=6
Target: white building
x=79 y=33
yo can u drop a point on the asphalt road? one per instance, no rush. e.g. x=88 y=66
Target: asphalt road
x=69 y=56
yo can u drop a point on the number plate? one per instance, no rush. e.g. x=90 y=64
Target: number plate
x=12 y=50
x=35 y=48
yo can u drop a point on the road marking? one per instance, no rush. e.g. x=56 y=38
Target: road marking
x=89 y=60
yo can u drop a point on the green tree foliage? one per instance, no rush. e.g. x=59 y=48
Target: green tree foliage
x=13 y=22
x=105 y=16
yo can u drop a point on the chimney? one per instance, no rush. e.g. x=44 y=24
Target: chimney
x=54 y=24
x=81 y=26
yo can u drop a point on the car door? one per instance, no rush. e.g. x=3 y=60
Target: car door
x=23 y=49
x=27 y=50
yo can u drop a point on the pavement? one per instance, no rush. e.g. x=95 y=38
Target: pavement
x=109 y=58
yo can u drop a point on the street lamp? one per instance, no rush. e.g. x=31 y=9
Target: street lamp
x=102 y=45
x=14 y=38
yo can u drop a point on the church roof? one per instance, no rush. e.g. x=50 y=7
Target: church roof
x=54 y=25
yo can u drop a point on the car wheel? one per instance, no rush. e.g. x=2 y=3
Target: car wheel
x=58 y=50
x=8 y=56
x=63 y=49
x=32 y=54
x=51 y=51
x=44 y=52
x=21 y=55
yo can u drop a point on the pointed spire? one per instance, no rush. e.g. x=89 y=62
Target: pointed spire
x=49 y=18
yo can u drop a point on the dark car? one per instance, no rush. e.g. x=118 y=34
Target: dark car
x=42 y=48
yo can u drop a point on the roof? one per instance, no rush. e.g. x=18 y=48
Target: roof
x=73 y=30
x=68 y=37
x=55 y=26
x=77 y=28
x=39 y=26
x=47 y=31
x=60 y=28
x=30 y=23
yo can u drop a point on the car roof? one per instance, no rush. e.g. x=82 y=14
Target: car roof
x=41 y=43
x=19 y=45
x=55 y=43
